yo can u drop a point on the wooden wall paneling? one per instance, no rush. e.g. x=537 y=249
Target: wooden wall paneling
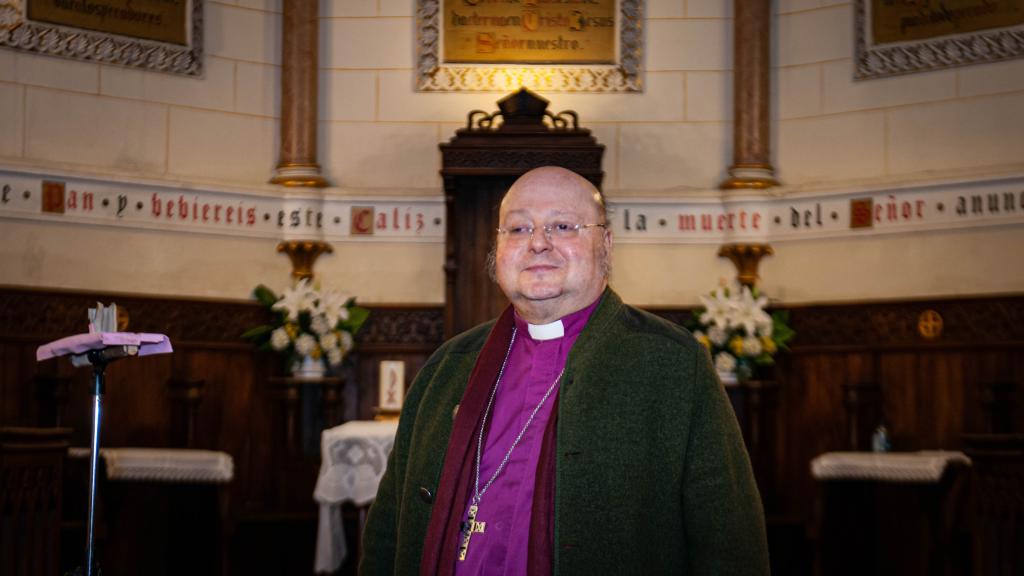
x=897 y=374
x=810 y=409
x=1017 y=393
x=943 y=389
x=974 y=409
x=255 y=456
x=933 y=392
x=136 y=404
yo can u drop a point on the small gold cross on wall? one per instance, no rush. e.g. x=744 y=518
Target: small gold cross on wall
x=468 y=528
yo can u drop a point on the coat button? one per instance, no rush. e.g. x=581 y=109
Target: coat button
x=425 y=495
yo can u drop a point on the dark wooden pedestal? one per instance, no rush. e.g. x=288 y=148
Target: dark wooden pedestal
x=897 y=529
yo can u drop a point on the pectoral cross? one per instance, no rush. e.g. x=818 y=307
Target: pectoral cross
x=468 y=528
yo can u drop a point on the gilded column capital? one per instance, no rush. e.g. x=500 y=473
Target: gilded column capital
x=303 y=254
x=746 y=258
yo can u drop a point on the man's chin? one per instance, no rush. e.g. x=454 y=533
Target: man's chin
x=542 y=294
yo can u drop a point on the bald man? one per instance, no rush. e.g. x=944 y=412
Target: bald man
x=572 y=435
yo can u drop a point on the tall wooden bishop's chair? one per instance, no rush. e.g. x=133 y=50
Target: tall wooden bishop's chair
x=31 y=471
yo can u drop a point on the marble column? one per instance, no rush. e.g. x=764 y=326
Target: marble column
x=751 y=166
x=297 y=164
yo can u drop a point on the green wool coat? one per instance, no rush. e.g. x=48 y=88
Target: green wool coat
x=651 y=473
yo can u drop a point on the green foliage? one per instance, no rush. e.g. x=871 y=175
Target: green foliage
x=781 y=332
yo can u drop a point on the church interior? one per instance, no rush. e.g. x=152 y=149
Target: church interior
x=866 y=181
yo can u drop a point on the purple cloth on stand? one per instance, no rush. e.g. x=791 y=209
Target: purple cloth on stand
x=81 y=343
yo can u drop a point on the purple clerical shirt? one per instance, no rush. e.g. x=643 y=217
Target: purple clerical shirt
x=533 y=365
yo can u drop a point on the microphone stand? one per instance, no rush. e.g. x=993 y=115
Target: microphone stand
x=98 y=359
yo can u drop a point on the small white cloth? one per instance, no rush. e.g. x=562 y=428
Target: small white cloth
x=919 y=467
x=176 y=465
x=354 y=457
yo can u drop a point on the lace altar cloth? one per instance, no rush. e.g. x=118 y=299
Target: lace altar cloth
x=918 y=467
x=354 y=456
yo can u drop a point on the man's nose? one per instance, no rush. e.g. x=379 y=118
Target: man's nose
x=539 y=240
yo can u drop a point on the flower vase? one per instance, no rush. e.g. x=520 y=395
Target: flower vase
x=308 y=368
x=728 y=378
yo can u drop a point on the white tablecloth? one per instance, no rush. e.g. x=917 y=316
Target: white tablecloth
x=920 y=467
x=176 y=465
x=354 y=456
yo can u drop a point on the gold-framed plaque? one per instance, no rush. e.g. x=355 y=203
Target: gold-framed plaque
x=904 y=36
x=158 y=35
x=552 y=45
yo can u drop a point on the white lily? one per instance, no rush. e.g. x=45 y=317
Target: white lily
x=297 y=299
x=750 y=312
x=718 y=309
x=332 y=306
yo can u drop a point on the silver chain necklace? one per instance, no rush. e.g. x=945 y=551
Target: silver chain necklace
x=477 y=492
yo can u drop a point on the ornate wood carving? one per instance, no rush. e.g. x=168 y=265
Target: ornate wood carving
x=27 y=314
x=967 y=322
x=398 y=327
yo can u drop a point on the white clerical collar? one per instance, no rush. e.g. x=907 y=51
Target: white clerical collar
x=546 y=331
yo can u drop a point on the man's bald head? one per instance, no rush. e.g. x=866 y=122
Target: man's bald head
x=562 y=180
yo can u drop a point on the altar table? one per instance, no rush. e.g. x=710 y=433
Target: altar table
x=895 y=513
x=354 y=456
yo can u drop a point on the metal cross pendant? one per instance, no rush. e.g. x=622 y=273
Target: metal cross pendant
x=468 y=528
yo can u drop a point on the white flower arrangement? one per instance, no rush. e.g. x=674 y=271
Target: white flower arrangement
x=308 y=322
x=739 y=333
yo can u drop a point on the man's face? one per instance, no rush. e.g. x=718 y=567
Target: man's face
x=547 y=278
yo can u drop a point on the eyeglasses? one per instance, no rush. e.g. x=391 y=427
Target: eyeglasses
x=553 y=231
